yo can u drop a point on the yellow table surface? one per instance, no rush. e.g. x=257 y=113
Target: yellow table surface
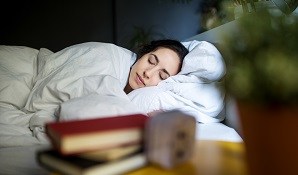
x=210 y=158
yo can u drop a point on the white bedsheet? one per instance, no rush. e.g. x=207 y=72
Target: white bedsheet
x=21 y=160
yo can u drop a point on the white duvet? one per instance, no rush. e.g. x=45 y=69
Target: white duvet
x=87 y=80
x=83 y=72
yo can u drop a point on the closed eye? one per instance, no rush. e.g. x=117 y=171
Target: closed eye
x=164 y=74
x=153 y=59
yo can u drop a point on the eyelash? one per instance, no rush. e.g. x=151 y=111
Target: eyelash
x=161 y=77
x=150 y=62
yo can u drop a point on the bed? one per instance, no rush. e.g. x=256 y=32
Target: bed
x=38 y=86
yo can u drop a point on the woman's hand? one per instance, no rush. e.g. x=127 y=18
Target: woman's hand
x=154 y=113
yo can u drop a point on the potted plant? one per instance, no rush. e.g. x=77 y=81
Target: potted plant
x=262 y=75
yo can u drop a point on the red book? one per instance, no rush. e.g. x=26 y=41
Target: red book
x=79 y=136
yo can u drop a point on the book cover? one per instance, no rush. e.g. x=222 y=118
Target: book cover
x=75 y=165
x=76 y=136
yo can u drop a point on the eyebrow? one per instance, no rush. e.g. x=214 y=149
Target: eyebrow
x=157 y=60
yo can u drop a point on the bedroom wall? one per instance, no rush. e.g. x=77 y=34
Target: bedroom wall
x=160 y=18
x=58 y=24
x=55 y=24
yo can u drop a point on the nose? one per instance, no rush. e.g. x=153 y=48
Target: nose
x=148 y=73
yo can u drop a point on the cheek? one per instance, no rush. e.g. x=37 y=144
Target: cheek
x=137 y=66
x=154 y=81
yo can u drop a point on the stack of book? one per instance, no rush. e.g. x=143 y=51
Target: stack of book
x=112 y=145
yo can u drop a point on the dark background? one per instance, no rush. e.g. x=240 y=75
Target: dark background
x=58 y=24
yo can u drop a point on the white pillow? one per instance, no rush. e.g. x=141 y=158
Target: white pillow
x=203 y=61
x=17 y=71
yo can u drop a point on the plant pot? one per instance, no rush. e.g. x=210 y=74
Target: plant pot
x=270 y=135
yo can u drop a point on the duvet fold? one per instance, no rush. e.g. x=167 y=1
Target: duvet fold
x=87 y=69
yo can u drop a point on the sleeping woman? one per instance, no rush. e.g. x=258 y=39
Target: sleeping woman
x=156 y=61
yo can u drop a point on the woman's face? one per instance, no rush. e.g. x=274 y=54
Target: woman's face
x=153 y=67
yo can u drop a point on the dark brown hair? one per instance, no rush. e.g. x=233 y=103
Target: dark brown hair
x=173 y=45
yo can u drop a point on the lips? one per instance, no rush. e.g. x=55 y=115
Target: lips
x=139 y=80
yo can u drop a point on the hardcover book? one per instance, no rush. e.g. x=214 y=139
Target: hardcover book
x=78 y=136
x=75 y=165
